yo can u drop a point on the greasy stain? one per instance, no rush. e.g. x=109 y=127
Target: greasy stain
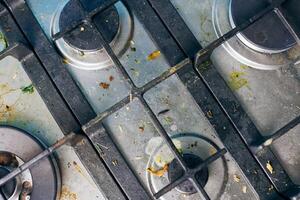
x=237 y=80
x=66 y=194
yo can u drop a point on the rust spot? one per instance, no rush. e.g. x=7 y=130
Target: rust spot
x=66 y=194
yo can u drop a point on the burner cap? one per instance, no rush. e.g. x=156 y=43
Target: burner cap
x=84 y=38
x=175 y=172
x=268 y=35
x=44 y=176
x=8 y=189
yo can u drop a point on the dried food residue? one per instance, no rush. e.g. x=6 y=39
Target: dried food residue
x=104 y=85
x=158 y=172
x=27 y=89
x=154 y=55
x=244 y=189
x=237 y=80
x=66 y=194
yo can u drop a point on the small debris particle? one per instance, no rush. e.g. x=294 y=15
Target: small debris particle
x=104 y=85
x=132 y=46
x=141 y=129
x=27 y=89
x=236 y=178
x=82 y=29
x=271 y=188
x=163 y=112
x=66 y=61
x=69 y=165
x=111 y=78
x=130 y=97
x=209 y=114
x=168 y=120
x=3 y=40
x=153 y=55
x=244 y=189
x=158 y=172
x=173 y=127
x=244 y=67
x=137 y=61
x=212 y=151
x=133 y=49
x=270 y=167
x=268 y=142
x=204 y=66
x=195 y=144
x=114 y=162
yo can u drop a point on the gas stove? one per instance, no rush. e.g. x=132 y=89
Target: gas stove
x=146 y=99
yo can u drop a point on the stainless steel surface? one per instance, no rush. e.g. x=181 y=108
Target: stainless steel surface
x=271 y=98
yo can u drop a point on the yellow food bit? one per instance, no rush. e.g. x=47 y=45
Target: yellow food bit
x=158 y=172
x=236 y=178
x=244 y=189
x=270 y=167
x=153 y=55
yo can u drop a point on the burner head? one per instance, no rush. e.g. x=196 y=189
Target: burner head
x=268 y=35
x=8 y=189
x=43 y=178
x=175 y=172
x=85 y=37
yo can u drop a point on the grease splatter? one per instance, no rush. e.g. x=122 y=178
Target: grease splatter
x=238 y=80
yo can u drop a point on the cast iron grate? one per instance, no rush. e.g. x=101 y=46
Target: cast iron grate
x=185 y=55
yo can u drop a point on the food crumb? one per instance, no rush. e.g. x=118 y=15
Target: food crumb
x=27 y=89
x=111 y=78
x=141 y=129
x=158 y=172
x=270 y=167
x=244 y=189
x=104 y=85
x=154 y=55
x=236 y=178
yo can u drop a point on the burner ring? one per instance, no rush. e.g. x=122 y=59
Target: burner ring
x=192 y=144
x=45 y=175
x=97 y=58
x=260 y=36
x=242 y=53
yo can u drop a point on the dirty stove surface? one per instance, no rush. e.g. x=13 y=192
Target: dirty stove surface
x=234 y=117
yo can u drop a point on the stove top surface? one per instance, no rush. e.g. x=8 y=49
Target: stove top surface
x=167 y=99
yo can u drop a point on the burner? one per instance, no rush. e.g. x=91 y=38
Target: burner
x=176 y=172
x=268 y=35
x=194 y=149
x=84 y=38
x=254 y=47
x=41 y=180
x=81 y=48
